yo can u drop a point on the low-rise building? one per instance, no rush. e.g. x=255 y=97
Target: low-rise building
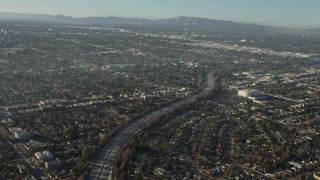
x=251 y=94
x=53 y=164
x=8 y=122
x=316 y=175
x=39 y=156
x=29 y=177
x=48 y=154
x=22 y=135
x=22 y=168
x=44 y=156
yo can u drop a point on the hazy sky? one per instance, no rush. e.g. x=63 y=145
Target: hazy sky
x=294 y=13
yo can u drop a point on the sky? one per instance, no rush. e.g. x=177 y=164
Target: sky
x=284 y=13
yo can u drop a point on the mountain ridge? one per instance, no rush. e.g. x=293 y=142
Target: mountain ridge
x=181 y=22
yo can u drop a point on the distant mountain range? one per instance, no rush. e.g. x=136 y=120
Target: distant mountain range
x=182 y=23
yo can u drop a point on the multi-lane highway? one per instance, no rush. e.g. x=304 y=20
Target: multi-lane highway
x=103 y=165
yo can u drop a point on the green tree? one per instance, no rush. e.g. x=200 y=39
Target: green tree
x=73 y=133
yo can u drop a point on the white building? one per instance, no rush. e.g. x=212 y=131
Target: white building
x=22 y=168
x=316 y=175
x=243 y=93
x=39 y=156
x=251 y=93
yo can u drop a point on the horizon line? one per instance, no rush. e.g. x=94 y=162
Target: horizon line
x=316 y=26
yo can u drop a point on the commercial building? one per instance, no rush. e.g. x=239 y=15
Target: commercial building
x=53 y=164
x=251 y=94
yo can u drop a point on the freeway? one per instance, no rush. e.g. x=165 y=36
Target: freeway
x=103 y=164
